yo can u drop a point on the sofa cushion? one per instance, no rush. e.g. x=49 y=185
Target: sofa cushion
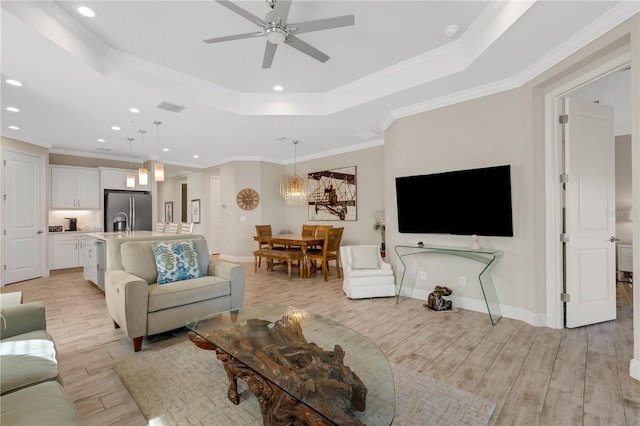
x=43 y=404
x=138 y=259
x=364 y=257
x=170 y=295
x=27 y=359
x=176 y=261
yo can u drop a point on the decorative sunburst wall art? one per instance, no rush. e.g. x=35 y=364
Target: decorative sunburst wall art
x=333 y=194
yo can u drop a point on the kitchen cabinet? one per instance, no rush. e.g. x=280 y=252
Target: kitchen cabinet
x=67 y=250
x=75 y=188
x=117 y=179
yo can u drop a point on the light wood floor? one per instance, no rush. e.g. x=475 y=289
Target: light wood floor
x=536 y=376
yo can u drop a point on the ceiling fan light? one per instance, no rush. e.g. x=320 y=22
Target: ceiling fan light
x=275 y=35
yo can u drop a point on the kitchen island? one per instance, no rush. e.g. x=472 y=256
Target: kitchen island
x=110 y=242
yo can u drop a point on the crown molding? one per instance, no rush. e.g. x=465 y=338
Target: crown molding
x=607 y=22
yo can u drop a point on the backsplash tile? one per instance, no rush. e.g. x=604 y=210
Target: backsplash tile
x=87 y=219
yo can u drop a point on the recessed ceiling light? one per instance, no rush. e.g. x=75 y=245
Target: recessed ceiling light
x=278 y=88
x=13 y=82
x=134 y=110
x=101 y=140
x=12 y=109
x=85 y=11
x=165 y=149
x=115 y=128
x=196 y=156
x=14 y=127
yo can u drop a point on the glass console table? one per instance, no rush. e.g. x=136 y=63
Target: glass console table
x=487 y=257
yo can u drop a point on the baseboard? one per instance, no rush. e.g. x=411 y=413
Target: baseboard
x=513 y=312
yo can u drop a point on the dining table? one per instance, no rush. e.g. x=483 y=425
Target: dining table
x=293 y=240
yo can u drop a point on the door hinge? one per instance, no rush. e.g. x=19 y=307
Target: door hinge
x=5 y=267
x=564 y=297
x=564 y=238
x=564 y=178
x=563 y=119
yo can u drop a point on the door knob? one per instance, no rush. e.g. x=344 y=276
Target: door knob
x=40 y=231
x=614 y=239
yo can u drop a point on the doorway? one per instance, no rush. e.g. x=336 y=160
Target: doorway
x=554 y=159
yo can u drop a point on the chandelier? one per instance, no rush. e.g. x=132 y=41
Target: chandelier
x=293 y=188
x=158 y=167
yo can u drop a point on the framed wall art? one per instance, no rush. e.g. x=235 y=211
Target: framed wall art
x=195 y=211
x=333 y=194
x=168 y=212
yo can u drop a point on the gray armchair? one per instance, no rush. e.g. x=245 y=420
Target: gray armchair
x=142 y=307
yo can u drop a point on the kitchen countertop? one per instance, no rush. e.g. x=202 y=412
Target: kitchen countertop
x=73 y=232
x=130 y=235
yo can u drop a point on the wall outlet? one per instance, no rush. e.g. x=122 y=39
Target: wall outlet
x=423 y=275
x=462 y=280
x=242 y=218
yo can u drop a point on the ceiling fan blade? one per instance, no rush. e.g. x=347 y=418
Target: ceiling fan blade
x=269 y=53
x=322 y=24
x=280 y=10
x=240 y=11
x=305 y=48
x=232 y=37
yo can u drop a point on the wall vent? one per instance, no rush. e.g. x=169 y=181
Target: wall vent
x=168 y=106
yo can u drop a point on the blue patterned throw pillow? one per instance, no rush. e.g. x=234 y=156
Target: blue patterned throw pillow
x=176 y=261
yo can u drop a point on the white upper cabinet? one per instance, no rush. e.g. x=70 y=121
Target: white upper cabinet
x=117 y=179
x=75 y=188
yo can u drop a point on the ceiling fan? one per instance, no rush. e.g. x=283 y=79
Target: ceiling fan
x=275 y=28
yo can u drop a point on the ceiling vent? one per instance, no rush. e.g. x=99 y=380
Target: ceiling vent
x=103 y=149
x=168 y=106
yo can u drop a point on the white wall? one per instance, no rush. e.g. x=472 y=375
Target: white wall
x=484 y=132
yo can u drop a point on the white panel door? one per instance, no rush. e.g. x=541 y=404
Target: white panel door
x=23 y=237
x=590 y=213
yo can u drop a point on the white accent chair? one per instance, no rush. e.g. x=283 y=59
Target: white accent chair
x=365 y=273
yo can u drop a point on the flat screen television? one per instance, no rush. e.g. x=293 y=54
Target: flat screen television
x=462 y=202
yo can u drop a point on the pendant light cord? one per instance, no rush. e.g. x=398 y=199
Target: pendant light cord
x=158 y=123
x=142 y=132
x=130 y=152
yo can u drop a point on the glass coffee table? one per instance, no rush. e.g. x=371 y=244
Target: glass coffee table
x=303 y=368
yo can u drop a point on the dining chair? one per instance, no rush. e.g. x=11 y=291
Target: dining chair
x=308 y=230
x=321 y=230
x=173 y=228
x=330 y=251
x=159 y=227
x=262 y=232
x=186 y=228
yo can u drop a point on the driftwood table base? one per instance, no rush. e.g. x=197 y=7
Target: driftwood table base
x=319 y=375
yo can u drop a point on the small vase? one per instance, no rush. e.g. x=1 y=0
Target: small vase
x=382 y=249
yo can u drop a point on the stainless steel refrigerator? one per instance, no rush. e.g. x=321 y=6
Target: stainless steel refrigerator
x=135 y=206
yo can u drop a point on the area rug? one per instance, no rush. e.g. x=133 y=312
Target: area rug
x=181 y=384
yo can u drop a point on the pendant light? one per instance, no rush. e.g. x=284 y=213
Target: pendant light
x=158 y=167
x=293 y=188
x=143 y=176
x=131 y=177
